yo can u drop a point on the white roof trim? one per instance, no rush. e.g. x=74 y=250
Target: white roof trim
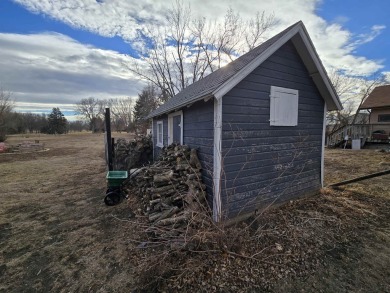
x=298 y=29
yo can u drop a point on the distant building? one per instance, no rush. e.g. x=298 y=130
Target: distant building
x=378 y=105
x=374 y=128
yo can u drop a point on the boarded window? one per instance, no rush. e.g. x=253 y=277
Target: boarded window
x=160 y=134
x=384 y=118
x=284 y=107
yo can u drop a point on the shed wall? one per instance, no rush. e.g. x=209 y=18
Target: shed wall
x=265 y=164
x=198 y=133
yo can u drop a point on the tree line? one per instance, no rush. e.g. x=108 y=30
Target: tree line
x=126 y=114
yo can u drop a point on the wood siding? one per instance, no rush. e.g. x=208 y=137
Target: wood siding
x=263 y=164
x=198 y=133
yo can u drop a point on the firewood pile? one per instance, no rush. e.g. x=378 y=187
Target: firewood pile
x=132 y=154
x=171 y=189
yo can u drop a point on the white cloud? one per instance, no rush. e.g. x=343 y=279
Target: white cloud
x=387 y=76
x=124 y=18
x=55 y=69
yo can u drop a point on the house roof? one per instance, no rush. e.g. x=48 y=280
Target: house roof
x=379 y=97
x=224 y=79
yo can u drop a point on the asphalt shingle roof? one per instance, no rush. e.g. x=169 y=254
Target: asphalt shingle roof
x=379 y=97
x=205 y=87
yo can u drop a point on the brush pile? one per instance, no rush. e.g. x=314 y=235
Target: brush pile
x=171 y=189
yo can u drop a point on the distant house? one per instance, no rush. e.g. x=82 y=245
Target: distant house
x=258 y=124
x=378 y=105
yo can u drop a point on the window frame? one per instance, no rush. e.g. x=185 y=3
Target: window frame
x=158 y=142
x=170 y=126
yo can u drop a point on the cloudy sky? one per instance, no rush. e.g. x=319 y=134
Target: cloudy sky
x=54 y=53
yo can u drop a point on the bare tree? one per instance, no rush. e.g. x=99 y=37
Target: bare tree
x=6 y=107
x=92 y=110
x=187 y=49
x=367 y=88
x=121 y=110
x=352 y=91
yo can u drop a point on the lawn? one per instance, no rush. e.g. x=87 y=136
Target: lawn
x=57 y=235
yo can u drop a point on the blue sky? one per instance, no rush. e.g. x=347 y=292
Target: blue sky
x=14 y=18
x=54 y=53
x=358 y=17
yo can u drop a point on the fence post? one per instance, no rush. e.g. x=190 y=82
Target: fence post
x=108 y=139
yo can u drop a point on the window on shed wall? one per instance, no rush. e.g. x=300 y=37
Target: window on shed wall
x=160 y=134
x=284 y=107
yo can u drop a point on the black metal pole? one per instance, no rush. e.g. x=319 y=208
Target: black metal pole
x=108 y=138
x=386 y=172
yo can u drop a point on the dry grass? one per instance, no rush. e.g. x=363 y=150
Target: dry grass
x=56 y=233
x=325 y=243
x=346 y=164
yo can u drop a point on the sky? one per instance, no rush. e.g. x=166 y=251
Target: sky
x=54 y=53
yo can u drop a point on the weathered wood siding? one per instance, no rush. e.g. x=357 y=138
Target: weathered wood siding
x=264 y=164
x=156 y=149
x=198 y=133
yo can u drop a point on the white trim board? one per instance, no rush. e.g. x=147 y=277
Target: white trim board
x=235 y=79
x=323 y=147
x=217 y=161
x=170 y=126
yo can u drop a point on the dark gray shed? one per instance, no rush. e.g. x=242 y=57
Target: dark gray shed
x=258 y=124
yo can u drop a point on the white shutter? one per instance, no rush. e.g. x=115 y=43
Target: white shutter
x=284 y=107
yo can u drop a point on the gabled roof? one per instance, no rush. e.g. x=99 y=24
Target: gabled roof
x=379 y=97
x=221 y=81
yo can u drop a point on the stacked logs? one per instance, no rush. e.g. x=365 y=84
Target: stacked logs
x=171 y=189
x=134 y=153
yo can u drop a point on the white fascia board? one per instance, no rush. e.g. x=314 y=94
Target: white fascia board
x=299 y=29
x=323 y=146
x=217 y=161
x=317 y=61
x=234 y=80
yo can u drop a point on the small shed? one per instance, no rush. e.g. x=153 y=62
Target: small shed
x=258 y=124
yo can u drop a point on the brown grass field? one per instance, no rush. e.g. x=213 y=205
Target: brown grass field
x=56 y=234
